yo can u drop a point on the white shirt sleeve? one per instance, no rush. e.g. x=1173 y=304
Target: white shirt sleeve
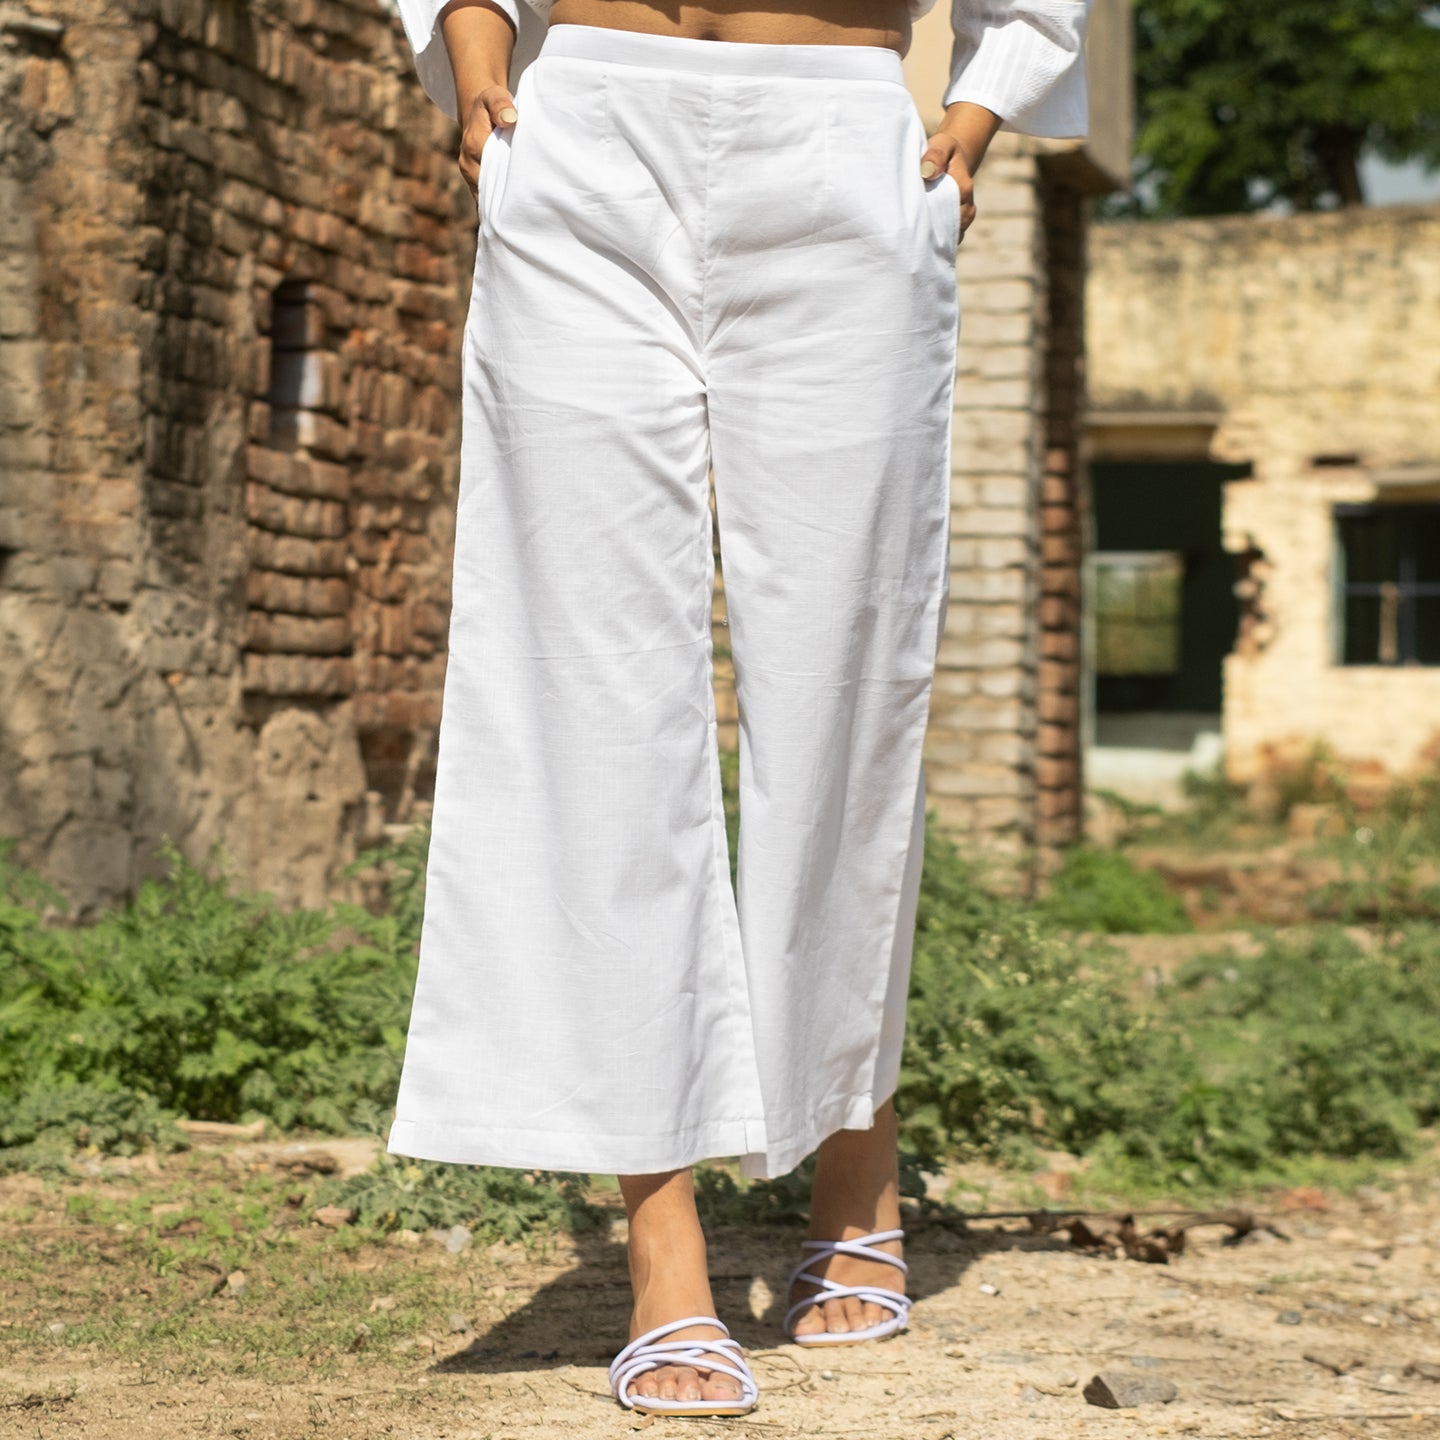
x=1024 y=60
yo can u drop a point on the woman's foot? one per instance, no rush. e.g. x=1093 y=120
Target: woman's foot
x=856 y=1192
x=670 y=1282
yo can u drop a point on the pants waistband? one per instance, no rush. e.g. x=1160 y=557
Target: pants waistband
x=723 y=57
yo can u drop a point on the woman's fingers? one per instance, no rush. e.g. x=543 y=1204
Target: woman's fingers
x=944 y=153
x=492 y=109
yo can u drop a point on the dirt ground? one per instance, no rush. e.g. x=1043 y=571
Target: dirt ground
x=121 y=1328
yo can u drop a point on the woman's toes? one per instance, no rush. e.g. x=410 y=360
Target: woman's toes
x=809 y=1322
x=667 y=1382
x=687 y=1383
x=720 y=1387
x=873 y=1314
x=836 y=1319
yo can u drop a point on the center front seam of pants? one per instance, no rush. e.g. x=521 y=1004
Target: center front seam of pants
x=724 y=57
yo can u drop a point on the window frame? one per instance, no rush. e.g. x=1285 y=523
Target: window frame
x=1405 y=588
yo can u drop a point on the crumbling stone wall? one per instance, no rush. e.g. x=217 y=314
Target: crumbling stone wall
x=233 y=257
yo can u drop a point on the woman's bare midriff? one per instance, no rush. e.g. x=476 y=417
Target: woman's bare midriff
x=786 y=22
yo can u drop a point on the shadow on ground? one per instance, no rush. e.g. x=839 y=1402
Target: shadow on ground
x=581 y=1318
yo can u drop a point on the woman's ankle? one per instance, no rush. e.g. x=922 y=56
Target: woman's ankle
x=857 y=1183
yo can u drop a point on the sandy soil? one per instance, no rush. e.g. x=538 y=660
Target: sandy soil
x=1330 y=1333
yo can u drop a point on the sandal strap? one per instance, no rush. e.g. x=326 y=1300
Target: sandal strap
x=892 y=1300
x=862 y=1249
x=651 y=1351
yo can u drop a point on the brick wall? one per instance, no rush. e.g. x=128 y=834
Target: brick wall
x=233 y=250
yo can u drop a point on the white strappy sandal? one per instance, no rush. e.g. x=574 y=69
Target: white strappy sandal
x=651 y=1351
x=891 y=1300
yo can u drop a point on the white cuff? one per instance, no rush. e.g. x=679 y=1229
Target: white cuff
x=1025 y=61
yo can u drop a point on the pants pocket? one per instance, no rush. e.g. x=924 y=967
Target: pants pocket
x=494 y=159
x=945 y=191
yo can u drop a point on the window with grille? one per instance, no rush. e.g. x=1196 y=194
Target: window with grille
x=1387 y=584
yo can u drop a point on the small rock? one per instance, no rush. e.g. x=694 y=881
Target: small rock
x=405 y=1237
x=827 y=1374
x=1368 y=1262
x=382 y=1303
x=1121 y=1390
x=334 y=1216
x=1289 y=1317
x=1051 y=1384
x=1146 y=1362
x=760 y=1298
x=1370 y=1197
x=1337 y=1362
x=235 y=1284
x=457 y=1238
x=1424 y=1370
x=56 y=1327
x=459 y=1325
x=989 y=1289
x=362 y=1333
x=1029 y=1394
x=1009 y=1358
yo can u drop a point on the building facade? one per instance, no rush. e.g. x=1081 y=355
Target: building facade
x=1275 y=381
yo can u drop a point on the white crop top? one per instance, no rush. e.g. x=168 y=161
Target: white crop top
x=1022 y=59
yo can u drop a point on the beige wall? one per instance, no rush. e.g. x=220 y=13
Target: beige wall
x=1312 y=345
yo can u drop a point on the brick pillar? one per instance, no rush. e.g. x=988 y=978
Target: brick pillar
x=1063 y=518
x=980 y=750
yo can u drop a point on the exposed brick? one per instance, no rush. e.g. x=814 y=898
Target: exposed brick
x=296 y=634
x=296 y=594
x=295 y=515
x=1056 y=771
x=297 y=675
x=1055 y=739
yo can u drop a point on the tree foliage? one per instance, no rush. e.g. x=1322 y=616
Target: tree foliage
x=1246 y=103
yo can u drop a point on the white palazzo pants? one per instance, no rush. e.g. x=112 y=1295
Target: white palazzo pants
x=691 y=253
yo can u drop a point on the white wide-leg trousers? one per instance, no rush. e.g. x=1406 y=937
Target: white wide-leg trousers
x=691 y=253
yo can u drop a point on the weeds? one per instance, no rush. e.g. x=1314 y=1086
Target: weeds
x=1102 y=892
x=1022 y=1036
x=494 y=1204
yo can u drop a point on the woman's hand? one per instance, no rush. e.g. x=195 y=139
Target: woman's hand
x=958 y=146
x=479 y=39
x=491 y=109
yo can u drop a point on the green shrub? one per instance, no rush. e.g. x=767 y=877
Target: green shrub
x=1102 y=892
x=215 y=1006
x=397 y=1193
x=41 y=1126
x=1016 y=1034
